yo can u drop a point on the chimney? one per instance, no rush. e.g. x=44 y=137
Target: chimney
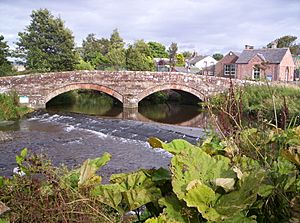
x=248 y=47
x=274 y=45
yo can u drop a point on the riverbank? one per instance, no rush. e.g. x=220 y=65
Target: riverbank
x=10 y=108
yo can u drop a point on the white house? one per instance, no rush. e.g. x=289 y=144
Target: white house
x=202 y=62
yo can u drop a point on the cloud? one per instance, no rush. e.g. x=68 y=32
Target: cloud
x=205 y=26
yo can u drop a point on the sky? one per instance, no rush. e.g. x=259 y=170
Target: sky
x=204 y=26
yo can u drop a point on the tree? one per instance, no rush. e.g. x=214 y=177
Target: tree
x=218 y=56
x=187 y=54
x=172 y=54
x=94 y=51
x=46 y=44
x=180 y=60
x=116 y=55
x=116 y=59
x=138 y=57
x=157 y=50
x=116 y=41
x=286 y=42
x=5 y=65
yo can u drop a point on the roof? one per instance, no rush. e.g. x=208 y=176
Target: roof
x=196 y=59
x=193 y=70
x=269 y=54
x=236 y=53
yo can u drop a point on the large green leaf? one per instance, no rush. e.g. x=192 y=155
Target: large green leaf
x=137 y=197
x=192 y=164
x=109 y=194
x=177 y=211
x=174 y=147
x=239 y=218
x=140 y=178
x=242 y=198
x=128 y=191
x=203 y=198
x=89 y=168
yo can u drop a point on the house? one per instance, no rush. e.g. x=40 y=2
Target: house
x=272 y=63
x=201 y=62
x=226 y=67
x=297 y=67
x=162 y=64
x=191 y=70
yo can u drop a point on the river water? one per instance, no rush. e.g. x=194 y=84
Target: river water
x=70 y=138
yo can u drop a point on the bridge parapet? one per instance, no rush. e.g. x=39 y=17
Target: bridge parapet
x=127 y=86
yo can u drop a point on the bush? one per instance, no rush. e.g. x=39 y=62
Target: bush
x=9 y=107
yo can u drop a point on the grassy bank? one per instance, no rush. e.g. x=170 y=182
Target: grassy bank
x=10 y=108
x=275 y=104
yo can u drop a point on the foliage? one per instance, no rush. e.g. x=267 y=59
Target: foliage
x=287 y=41
x=5 y=65
x=116 y=58
x=172 y=51
x=180 y=62
x=46 y=193
x=9 y=107
x=157 y=50
x=217 y=56
x=82 y=65
x=224 y=184
x=273 y=104
x=138 y=57
x=46 y=44
x=94 y=51
x=187 y=54
x=116 y=41
x=252 y=176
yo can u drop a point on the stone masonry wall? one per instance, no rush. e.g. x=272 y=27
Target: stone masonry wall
x=127 y=86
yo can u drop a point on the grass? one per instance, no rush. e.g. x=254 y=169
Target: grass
x=10 y=108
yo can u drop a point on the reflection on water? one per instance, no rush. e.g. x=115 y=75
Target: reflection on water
x=170 y=113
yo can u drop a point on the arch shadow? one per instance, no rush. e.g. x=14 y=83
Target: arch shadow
x=77 y=86
x=184 y=88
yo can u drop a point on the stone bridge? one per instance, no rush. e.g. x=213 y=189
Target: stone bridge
x=128 y=87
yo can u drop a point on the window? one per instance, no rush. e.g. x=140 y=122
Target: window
x=256 y=73
x=287 y=72
x=229 y=69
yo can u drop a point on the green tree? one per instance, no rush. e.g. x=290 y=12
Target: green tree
x=138 y=57
x=116 y=41
x=94 y=51
x=187 y=54
x=116 y=55
x=286 y=42
x=157 y=50
x=46 y=44
x=83 y=65
x=172 y=51
x=218 y=56
x=116 y=59
x=180 y=60
x=5 y=65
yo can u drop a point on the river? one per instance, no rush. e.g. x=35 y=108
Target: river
x=69 y=138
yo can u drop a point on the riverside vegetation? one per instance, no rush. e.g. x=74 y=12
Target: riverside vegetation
x=243 y=172
x=10 y=108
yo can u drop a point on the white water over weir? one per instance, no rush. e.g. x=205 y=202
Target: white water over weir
x=69 y=139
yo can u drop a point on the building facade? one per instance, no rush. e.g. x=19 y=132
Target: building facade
x=274 y=64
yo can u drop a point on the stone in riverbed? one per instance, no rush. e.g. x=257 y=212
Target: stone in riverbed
x=5 y=136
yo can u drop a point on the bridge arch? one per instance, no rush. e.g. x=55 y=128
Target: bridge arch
x=77 y=86
x=184 y=88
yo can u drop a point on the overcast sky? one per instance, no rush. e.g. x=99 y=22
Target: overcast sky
x=205 y=26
